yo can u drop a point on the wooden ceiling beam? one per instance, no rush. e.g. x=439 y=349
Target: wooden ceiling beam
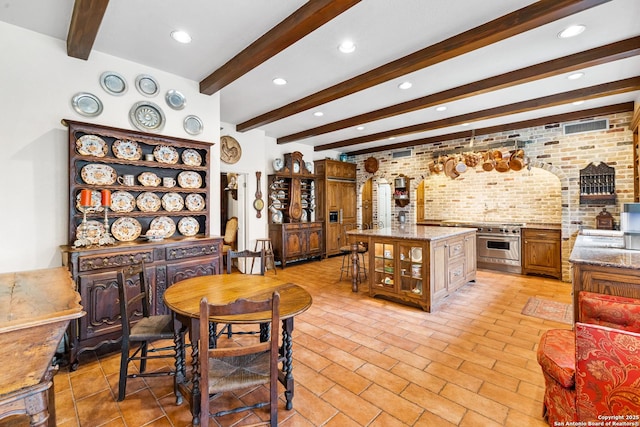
x=303 y=21
x=85 y=22
x=540 y=121
x=591 y=92
x=589 y=58
x=539 y=13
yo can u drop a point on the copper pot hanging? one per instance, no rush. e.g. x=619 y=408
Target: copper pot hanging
x=489 y=163
x=516 y=162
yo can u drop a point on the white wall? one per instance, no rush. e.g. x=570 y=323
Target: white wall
x=38 y=81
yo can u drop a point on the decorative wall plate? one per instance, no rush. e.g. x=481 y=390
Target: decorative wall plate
x=371 y=165
x=278 y=164
x=416 y=254
x=147 y=85
x=191 y=157
x=148 y=202
x=189 y=179
x=194 y=202
x=277 y=217
x=164 y=225
x=91 y=145
x=175 y=99
x=166 y=154
x=309 y=166
x=97 y=174
x=146 y=116
x=188 y=226
x=125 y=149
x=230 y=150
x=172 y=202
x=122 y=201
x=149 y=179
x=126 y=229
x=91 y=230
x=96 y=202
x=193 y=125
x=113 y=83
x=86 y=104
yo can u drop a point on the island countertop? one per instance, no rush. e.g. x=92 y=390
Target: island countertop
x=414 y=232
x=605 y=251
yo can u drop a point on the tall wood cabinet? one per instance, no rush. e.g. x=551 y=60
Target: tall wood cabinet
x=293 y=230
x=97 y=154
x=337 y=201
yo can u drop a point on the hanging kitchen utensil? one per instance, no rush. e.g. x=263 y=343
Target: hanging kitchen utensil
x=461 y=167
x=438 y=166
x=489 y=163
x=449 y=168
x=502 y=165
x=516 y=162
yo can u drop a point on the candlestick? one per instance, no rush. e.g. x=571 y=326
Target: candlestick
x=106 y=198
x=85 y=198
x=106 y=238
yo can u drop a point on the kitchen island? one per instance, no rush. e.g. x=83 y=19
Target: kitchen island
x=601 y=264
x=417 y=265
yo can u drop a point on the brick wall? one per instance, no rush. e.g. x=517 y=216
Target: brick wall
x=547 y=193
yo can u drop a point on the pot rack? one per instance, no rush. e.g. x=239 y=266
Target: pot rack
x=509 y=144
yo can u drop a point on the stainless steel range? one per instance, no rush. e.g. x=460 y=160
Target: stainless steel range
x=497 y=244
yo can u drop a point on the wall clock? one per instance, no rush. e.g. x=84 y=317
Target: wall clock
x=230 y=150
x=258 y=203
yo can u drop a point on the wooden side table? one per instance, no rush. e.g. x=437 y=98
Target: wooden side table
x=269 y=262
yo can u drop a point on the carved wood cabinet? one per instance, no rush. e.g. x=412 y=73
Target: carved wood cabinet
x=542 y=252
x=97 y=154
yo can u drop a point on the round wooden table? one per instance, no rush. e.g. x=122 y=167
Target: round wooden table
x=183 y=299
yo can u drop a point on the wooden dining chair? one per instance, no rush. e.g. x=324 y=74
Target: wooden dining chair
x=235 y=368
x=139 y=327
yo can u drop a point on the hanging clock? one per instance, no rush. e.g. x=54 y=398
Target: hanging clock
x=258 y=203
x=230 y=150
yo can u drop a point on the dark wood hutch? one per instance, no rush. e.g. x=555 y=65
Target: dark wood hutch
x=167 y=261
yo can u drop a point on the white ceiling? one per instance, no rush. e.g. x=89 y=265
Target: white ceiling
x=383 y=30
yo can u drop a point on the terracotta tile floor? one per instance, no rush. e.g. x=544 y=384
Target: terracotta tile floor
x=360 y=361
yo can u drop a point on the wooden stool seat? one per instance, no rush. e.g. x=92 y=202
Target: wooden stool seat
x=269 y=259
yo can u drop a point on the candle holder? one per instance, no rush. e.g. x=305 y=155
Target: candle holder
x=106 y=238
x=82 y=236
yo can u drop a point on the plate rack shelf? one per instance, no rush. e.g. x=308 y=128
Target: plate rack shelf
x=598 y=185
x=143 y=214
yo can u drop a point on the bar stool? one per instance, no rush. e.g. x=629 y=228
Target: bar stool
x=346 y=266
x=269 y=259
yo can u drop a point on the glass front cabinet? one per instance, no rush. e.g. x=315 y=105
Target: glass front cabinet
x=399 y=269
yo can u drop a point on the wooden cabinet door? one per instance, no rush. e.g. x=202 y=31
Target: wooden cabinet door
x=470 y=257
x=439 y=271
x=294 y=243
x=333 y=195
x=541 y=252
x=314 y=239
x=348 y=201
x=333 y=238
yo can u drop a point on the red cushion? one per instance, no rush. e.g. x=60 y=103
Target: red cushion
x=611 y=311
x=557 y=356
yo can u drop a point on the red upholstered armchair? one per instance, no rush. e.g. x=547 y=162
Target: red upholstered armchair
x=594 y=370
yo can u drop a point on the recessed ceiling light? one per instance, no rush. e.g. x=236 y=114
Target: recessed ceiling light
x=392 y=137
x=575 y=76
x=571 y=31
x=441 y=108
x=405 y=85
x=318 y=114
x=347 y=46
x=577 y=102
x=360 y=128
x=466 y=124
x=181 y=36
x=279 y=81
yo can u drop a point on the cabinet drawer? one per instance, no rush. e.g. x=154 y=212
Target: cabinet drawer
x=457 y=274
x=541 y=234
x=456 y=249
x=113 y=260
x=192 y=251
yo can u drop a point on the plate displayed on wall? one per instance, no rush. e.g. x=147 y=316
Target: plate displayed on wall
x=166 y=154
x=172 y=202
x=230 y=151
x=113 y=83
x=127 y=150
x=97 y=174
x=163 y=225
x=188 y=226
x=91 y=145
x=147 y=85
x=193 y=125
x=175 y=99
x=194 y=202
x=278 y=164
x=126 y=229
x=189 y=179
x=92 y=230
x=191 y=157
x=146 y=116
x=122 y=201
x=86 y=104
x=96 y=202
x=148 y=202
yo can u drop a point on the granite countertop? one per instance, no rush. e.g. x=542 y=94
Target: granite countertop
x=604 y=250
x=414 y=232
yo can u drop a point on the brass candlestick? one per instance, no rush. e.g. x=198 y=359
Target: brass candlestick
x=106 y=238
x=82 y=238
